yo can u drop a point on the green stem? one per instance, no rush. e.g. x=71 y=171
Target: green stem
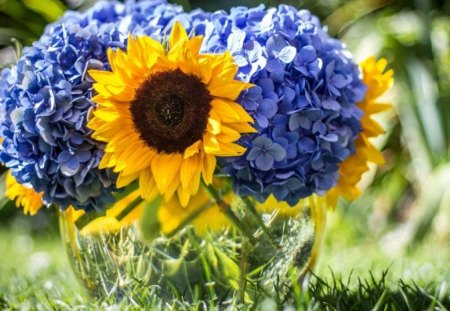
x=129 y=208
x=243 y=264
x=257 y=217
x=86 y=218
x=225 y=207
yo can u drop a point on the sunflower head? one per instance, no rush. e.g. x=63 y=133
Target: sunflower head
x=165 y=112
x=24 y=196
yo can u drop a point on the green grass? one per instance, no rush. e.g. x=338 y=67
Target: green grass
x=356 y=272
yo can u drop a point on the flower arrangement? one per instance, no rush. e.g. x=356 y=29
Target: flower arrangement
x=227 y=123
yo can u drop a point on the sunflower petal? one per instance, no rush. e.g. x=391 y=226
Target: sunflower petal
x=147 y=185
x=125 y=180
x=188 y=168
x=177 y=35
x=165 y=167
x=209 y=165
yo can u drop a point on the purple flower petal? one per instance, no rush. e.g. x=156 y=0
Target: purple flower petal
x=277 y=152
x=308 y=53
x=287 y=54
x=261 y=120
x=275 y=44
x=71 y=167
x=253 y=154
x=268 y=108
x=331 y=104
x=274 y=65
x=306 y=144
x=264 y=162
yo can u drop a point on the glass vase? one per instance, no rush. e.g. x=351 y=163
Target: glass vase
x=261 y=253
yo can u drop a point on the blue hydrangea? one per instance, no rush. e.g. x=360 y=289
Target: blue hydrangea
x=45 y=99
x=303 y=101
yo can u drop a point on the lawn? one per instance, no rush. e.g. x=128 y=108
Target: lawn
x=355 y=272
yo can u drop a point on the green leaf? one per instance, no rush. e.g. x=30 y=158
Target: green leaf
x=227 y=268
x=86 y=218
x=432 y=200
x=149 y=225
x=51 y=10
x=7 y=33
x=3 y=198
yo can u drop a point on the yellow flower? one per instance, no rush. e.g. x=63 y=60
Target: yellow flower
x=282 y=209
x=166 y=115
x=207 y=215
x=352 y=169
x=113 y=220
x=23 y=195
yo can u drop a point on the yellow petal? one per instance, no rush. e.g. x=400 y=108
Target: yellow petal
x=373 y=154
x=242 y=127
x=141 y=159
x=188 y=169
x=243 y=114
x=209 y=165
x=172 y=188
x=210 y=144
x=230 y=90
x=132 y=216
x=224 y=111
x=372 y=128
x=230 y=150
x=124 y=180
x=192 y=149
x=378 y=107
x=194 y=44
x=183 y=196
x=147 y=185
x=106 y=115
x=151 y=46
x=178 y=34
x=101 y=224
x=214 y=122
x=106 y=77
x=228 y=135
x=165 y=167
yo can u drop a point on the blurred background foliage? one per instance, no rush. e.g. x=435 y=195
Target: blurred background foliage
x=407 y=207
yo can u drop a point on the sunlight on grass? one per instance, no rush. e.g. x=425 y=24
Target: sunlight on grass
x=355 y=271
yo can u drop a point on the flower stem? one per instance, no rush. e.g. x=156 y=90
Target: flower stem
x=243 y=265
x=257 y=217
x=225 y=207
x=129 y=208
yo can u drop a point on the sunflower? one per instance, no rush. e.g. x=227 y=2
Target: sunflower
x=352 y=169
x=165 y=115
x=204 y=215
x=207 y=215
x=24 y=196
x=115 y=218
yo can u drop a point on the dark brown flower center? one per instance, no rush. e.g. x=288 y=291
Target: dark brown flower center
x=170 y=110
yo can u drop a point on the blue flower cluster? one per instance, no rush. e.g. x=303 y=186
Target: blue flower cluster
x=303 y=102
x=46 y=98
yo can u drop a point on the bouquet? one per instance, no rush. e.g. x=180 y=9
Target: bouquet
x=193 y=151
